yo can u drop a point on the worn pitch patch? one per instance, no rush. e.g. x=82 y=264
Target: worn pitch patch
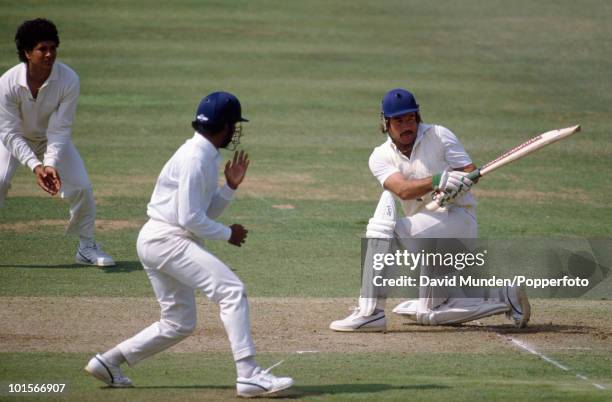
x=102 y=225
x=283 y=206
x=287 y=325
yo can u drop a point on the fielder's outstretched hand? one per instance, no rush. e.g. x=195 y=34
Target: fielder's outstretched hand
x=48 y=179
x=235 y=169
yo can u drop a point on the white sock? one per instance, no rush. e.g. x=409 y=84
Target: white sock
x=381 y=303
x=246 y=367
x=114 y=357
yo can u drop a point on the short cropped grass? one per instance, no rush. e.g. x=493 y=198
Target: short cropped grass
x=413 y=376
x=310 y=76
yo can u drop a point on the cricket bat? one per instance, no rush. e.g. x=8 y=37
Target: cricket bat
x=512 y=155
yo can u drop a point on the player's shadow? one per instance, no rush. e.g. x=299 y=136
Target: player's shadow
x=194 y=386
x=337 y=389
x=303 y=391
x=47 y=266
x=123 y=266
x=504 y=329
x=120 y=267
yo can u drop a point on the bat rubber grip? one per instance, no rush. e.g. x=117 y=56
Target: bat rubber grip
x=433 y=204
x=474 y=175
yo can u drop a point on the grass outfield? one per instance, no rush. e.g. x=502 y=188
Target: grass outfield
x=310 y=76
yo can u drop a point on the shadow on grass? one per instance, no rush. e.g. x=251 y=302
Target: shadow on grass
x=334 y=389
x=194 y=386
x=56 y=266
x=297 y=392
x=121 y=267
x=505 y=329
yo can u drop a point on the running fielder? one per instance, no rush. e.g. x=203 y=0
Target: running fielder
x=416 y=159
x=38 y=101
x=184 y=204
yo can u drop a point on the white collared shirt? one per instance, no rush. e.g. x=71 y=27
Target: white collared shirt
x=48 y=118
x=187 y=193
x=435 y=149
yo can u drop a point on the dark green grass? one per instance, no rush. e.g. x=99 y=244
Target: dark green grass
x=310 y=76
x=312 y=250
x=401 y=376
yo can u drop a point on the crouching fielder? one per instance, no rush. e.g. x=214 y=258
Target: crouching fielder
x=418 y=158
x=185 y=201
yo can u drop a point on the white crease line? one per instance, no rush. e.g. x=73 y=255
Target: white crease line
x=531 y=350
x=301 y=352
x=535 y=352
x=555 y=363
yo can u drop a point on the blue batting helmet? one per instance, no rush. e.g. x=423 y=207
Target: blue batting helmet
x=218 y=109
x=397 y=102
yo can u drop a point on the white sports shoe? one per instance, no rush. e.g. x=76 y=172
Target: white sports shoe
x=262 y=383
x=359 y=323
x=408 y=309
x=520 y=309
x=92 y=254
x=107 y=373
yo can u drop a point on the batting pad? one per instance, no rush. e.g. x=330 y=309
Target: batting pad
x=380 y=233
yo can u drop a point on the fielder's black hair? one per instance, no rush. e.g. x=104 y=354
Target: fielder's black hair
x=32 y=32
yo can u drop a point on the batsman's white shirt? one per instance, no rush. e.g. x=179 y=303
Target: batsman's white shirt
x=435 y=149
x=47 y=118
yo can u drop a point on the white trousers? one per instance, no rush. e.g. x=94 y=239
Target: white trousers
x=434 y=306
x=177 y=265
x=76 y=187
x=456 y=222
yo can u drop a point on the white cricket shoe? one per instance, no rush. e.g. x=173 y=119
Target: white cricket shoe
x=107 y=373
x=408 y=309
x=359 y=323
x=520 y=309
x=92 y=254
x=262 y=383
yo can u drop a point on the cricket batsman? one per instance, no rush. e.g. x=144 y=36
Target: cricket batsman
x=182 y=211
x=416 y=159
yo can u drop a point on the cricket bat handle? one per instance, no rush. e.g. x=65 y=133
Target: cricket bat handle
x=434 y=204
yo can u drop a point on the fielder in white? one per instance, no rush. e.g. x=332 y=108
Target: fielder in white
x=184 y=204
x=416 y=159
x=38 y=101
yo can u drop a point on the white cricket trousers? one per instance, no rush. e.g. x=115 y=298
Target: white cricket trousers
x=76 y=187
x=177 y=265
x=459 y=223
x=435 y=306
x=454 y=222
